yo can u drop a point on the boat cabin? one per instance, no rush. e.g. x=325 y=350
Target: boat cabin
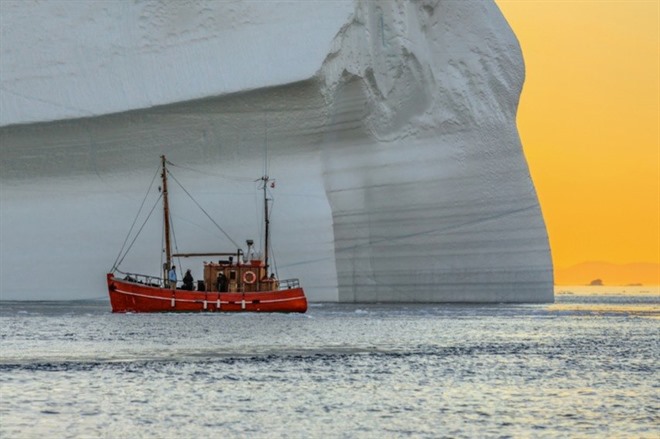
x=231 y=277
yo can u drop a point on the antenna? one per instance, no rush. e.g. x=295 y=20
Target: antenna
x=265 y=143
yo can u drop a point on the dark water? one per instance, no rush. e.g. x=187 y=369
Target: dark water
x=585 y=366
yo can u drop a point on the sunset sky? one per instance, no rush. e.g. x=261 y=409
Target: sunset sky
x=589 y=120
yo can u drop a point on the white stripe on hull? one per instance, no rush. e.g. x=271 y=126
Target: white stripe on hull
x=173 y=299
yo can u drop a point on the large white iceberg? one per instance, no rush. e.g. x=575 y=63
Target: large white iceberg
x=389 y=127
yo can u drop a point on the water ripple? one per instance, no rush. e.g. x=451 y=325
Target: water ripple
x=341 y=371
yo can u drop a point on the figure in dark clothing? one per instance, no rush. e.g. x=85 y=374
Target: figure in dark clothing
x=221 y=283
x=188 y=281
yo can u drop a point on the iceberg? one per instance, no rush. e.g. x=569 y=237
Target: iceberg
x=388 y=126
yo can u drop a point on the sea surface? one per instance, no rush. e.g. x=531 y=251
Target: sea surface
x=585 y=366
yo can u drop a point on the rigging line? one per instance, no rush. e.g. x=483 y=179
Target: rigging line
x=176 y=246
x=136 y=218
x=208 y=173
x=310 y=261
x=202 y=209
x=274 y=262
x=141 y=227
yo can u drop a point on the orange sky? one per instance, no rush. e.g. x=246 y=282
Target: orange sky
x=589 y=119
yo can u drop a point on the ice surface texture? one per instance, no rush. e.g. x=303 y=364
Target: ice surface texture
x=390 y=129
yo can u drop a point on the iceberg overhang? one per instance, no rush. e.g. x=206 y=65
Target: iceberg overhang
x=390 y=128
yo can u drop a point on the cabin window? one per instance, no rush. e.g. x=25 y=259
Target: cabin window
x=232 y=275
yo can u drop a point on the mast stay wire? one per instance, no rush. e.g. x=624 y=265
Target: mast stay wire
x=116 y=265
x=176 y=246
x=241 y=179
x=202 y=209
x=138 y=232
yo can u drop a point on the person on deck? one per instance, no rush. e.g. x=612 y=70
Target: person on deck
x=188 y=281
x=221 y=282
x=171 y=276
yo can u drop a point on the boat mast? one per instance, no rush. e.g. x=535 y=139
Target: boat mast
x=266 y=222
x=166 y=219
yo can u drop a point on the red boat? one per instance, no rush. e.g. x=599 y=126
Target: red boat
x=229 y=285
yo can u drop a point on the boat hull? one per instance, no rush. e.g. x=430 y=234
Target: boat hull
x=128 y=296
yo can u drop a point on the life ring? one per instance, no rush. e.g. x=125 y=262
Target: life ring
x=249 y=277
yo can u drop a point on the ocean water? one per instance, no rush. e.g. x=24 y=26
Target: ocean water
x=586 y=366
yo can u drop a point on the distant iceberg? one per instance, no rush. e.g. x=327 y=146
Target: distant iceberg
x=389 y=126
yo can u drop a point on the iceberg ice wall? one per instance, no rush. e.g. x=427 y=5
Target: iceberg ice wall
x=390 y=128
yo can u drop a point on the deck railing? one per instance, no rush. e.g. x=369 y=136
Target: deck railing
x=145 y=279
x=155 y=281
x=288 y=284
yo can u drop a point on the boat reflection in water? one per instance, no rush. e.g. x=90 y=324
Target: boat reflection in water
x=230 y=285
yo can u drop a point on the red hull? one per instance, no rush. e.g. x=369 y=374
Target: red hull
x=127 y=296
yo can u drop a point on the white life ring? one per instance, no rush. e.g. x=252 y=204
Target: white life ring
x=249 y=277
